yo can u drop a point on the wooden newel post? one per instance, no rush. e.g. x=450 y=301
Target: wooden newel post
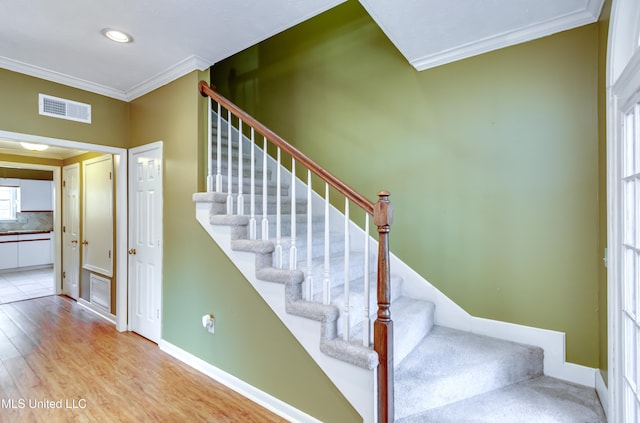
x=383 y=326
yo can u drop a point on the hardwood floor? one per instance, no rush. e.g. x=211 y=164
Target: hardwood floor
x=60 y=363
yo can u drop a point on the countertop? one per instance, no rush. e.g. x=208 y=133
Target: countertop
x=23 y=232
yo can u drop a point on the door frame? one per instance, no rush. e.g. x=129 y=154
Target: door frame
x=623 y=77
x=120 y=170
x=57 y=217
x=157 y=145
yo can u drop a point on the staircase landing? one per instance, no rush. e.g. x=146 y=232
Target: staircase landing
x=454 y=376
x=539 y=400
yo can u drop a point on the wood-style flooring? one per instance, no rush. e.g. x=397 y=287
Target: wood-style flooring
x=61 y=363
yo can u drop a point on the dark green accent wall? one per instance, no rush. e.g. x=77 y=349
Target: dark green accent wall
x=492 y=161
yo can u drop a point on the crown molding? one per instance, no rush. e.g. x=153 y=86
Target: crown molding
x=60 y=78
x=172 y=73
x=162 y=78
x=588 y=15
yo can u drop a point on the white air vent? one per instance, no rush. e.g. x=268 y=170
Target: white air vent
x=64 y=109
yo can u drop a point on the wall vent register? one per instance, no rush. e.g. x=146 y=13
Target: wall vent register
x=63 y=108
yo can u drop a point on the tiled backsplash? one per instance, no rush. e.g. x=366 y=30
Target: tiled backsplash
x=32 y=221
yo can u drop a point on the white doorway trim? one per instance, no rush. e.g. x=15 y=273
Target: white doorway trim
x=623 y=83
x=120 y=166
x=57 y=217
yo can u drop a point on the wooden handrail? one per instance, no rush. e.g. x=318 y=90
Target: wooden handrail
x=382 y=212
x=357 y=198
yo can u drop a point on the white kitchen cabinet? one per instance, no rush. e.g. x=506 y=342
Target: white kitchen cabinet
x=36 y=195
x=8 y=251
x=34 y=249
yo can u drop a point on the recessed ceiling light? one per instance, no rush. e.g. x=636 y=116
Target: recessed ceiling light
x=34 y=147
x=117 y=36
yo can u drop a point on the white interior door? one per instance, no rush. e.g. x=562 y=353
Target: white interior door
x=145 y=240
x=97 y=223
x=71 y=230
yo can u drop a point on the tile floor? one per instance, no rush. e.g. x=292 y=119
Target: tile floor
x=26 y=284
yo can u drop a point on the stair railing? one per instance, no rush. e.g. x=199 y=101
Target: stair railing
x=382 y=212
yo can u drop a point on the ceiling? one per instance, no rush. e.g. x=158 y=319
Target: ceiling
x=52 y=152
x=61 y=40
x=430 y=33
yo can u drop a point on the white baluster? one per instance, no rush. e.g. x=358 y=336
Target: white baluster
x=293 y=251
x=309 y=238
x=345 y=311
x=230 y=166
x=252 y=220
x=265 y=221
x=278 y=247
x=240 y=169
x=327 y=266
x=366 y=323
x=219 y=151
x=209 y=147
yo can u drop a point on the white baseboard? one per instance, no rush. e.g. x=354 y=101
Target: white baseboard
x=552 y=342
x=603 y=393
x=451 y=315
x=254 y=394
x=97 y=311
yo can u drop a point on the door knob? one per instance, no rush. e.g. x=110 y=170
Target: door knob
x=132 y=251
x=85 y=242
x=74 y=241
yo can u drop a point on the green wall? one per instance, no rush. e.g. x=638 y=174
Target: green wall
x=250 y=341
x=19 y=112
x=492 y=162
x=603 y=35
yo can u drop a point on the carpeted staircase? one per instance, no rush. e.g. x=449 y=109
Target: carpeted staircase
x=441 y=374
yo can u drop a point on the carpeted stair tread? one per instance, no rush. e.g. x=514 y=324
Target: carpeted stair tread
x=413 y=320
x=336 y=245
x=539 y=400
x=450 y=365
x=336 y=269
x=356 y=302
x=258 y=186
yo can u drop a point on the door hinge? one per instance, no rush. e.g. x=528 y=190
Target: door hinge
x=64 y=228
x=109 y=175
x=64 y=274
x=64 y=183
x=109 y=253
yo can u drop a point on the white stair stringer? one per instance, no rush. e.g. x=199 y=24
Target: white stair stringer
x=354 y=381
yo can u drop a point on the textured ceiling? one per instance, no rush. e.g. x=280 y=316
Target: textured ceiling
x=60 y=40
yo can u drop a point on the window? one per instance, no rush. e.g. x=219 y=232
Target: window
x=9 y=203
x=623 y=168
x=630 y=275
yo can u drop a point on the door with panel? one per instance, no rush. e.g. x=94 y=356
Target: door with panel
x=71 y=230
x=145 y=240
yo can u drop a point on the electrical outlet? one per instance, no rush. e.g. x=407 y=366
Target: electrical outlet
x=208 y=322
